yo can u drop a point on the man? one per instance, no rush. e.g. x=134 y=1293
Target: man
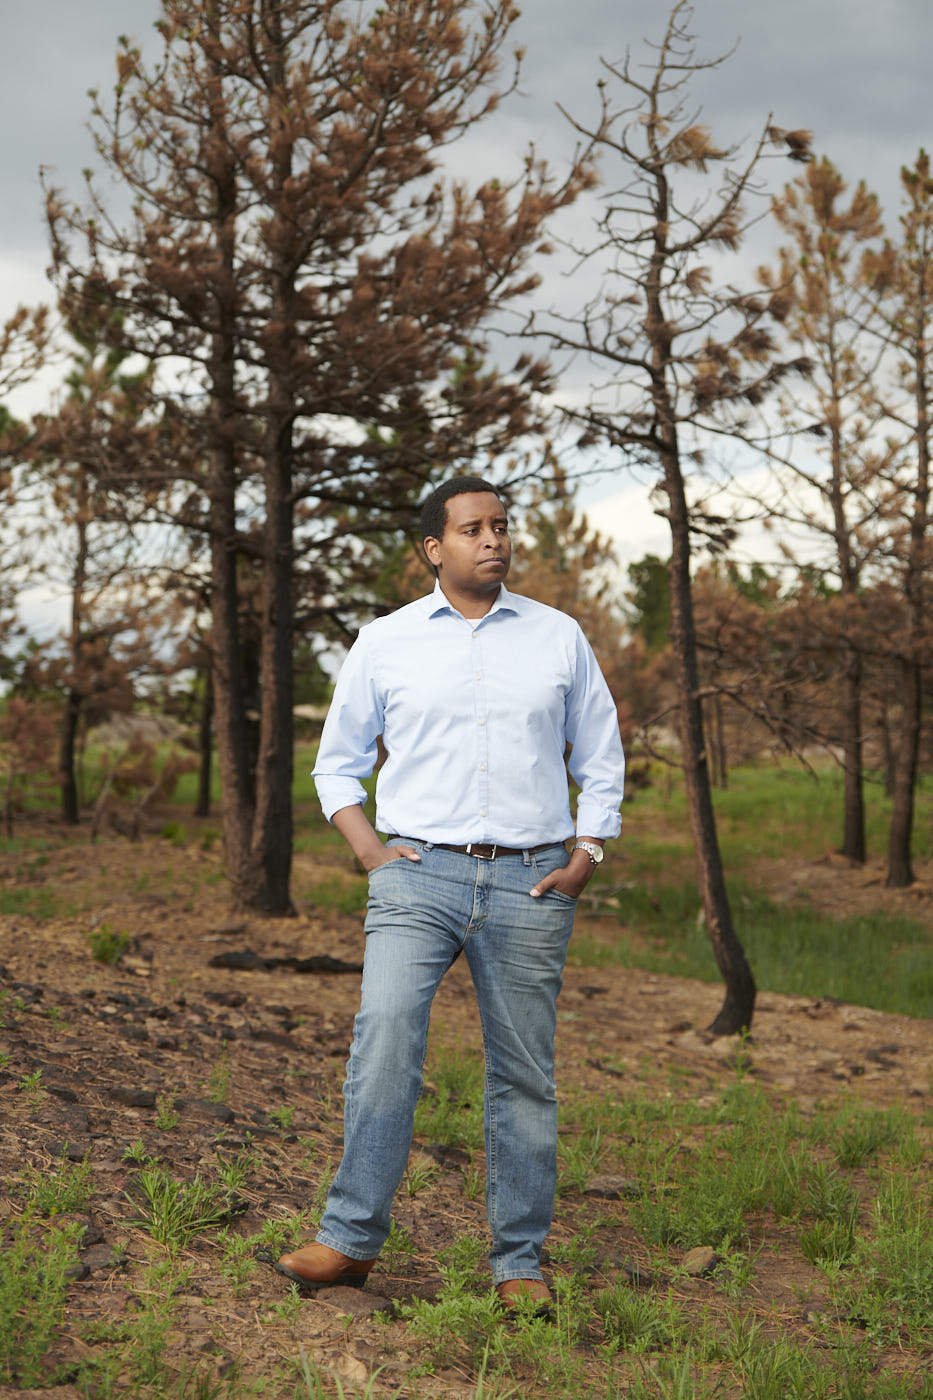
x=476 y=692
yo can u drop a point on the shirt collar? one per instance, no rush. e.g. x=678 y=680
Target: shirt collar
x=505 y=602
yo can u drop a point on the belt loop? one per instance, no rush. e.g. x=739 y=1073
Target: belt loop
x=428 y=845
x=526 y=856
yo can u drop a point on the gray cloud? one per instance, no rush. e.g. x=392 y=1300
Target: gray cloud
x=856 y=71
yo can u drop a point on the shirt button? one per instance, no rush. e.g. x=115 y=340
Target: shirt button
x=475 y=634
x=482 y=768
x=480 y=722
x=483 y=812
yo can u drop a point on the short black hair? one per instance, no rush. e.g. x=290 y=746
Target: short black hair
x=434 y=510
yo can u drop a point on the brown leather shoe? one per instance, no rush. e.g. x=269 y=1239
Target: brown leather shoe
x=317 y=1266
x=514 y=1292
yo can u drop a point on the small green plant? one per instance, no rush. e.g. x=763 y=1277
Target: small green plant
x=397 y=1250
x=319 y=1199
x=828 y=1244
x=166 y=1114
x=639 y=1322
x=107 y=945
x=283 y=1117
x=278 y=1236
x=735 y=1270
x=577 y=1255
x=136 y=1155
x=238 y=1264
x=419 y=1175
x=463 y=1267
x=172 y=1211
x=218 y=1082
x=474 y=1181
x=288 y=1309
x=234 y=1172
x=59 y=1192
x=31 y=1085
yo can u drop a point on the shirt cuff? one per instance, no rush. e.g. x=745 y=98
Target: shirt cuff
x=336 y=793
x=596 y=820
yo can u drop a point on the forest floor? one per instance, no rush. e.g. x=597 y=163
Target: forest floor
x=168 y=1052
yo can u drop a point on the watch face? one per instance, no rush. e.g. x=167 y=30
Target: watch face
x=594 y=852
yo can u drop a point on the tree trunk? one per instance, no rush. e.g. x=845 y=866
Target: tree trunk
x=900 y=872
x=229 y=707
x=66 y=757
x=202 y=807
x=853 y=836
x=717 y=744
x=887 y=750
x=264 y=883
x=735 y=1014
x=900 y=832
x=272 y=830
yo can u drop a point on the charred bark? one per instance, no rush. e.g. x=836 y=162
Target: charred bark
x=900 y=833
x=735 y=1014
x=853 y=836
x=202 y=807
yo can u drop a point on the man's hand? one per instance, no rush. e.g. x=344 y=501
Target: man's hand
x=390 y=853
x=571 y=880
x=356 y=829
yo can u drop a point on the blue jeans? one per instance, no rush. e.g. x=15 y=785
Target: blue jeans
x=420 y=917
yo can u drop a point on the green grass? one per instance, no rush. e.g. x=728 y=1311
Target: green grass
x=792 y=946
x=450 y=1110
x=794 y=949
x=35 y=901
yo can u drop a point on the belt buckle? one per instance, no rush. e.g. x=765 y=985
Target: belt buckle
x=477 y=854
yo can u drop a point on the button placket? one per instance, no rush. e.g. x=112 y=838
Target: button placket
x=482 y=738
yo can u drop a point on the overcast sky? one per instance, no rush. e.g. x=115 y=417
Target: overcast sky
x=856 y=72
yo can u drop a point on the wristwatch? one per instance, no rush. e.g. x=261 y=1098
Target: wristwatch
x=594 y=852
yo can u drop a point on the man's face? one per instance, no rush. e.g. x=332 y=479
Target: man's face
x=474 y=554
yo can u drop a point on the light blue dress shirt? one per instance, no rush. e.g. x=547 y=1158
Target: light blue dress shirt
x=475 y=718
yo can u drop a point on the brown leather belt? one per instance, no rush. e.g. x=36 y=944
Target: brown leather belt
x=487 y=852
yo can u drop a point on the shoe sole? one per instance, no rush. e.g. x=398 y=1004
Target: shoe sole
x=309 y=1285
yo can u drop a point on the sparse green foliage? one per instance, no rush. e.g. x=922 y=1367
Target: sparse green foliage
x=172 y=1211
x=218 y=1084
x=283 y=1117
x=66 y=1188
x=33 y=1281
x=397 y=1250
x=31 y=1085
x=107 y=945
x=166 y=1114
x=420 y=1175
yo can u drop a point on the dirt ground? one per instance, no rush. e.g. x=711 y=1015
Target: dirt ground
x=110 y=1042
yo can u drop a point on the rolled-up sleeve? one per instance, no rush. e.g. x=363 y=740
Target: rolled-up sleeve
x=596 y=763
x=348 y=748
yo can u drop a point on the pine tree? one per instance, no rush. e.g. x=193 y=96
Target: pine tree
x=295 y=257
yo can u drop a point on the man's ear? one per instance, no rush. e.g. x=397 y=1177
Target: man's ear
x=432 y=549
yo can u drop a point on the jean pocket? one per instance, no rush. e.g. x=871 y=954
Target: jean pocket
x=386 y=864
